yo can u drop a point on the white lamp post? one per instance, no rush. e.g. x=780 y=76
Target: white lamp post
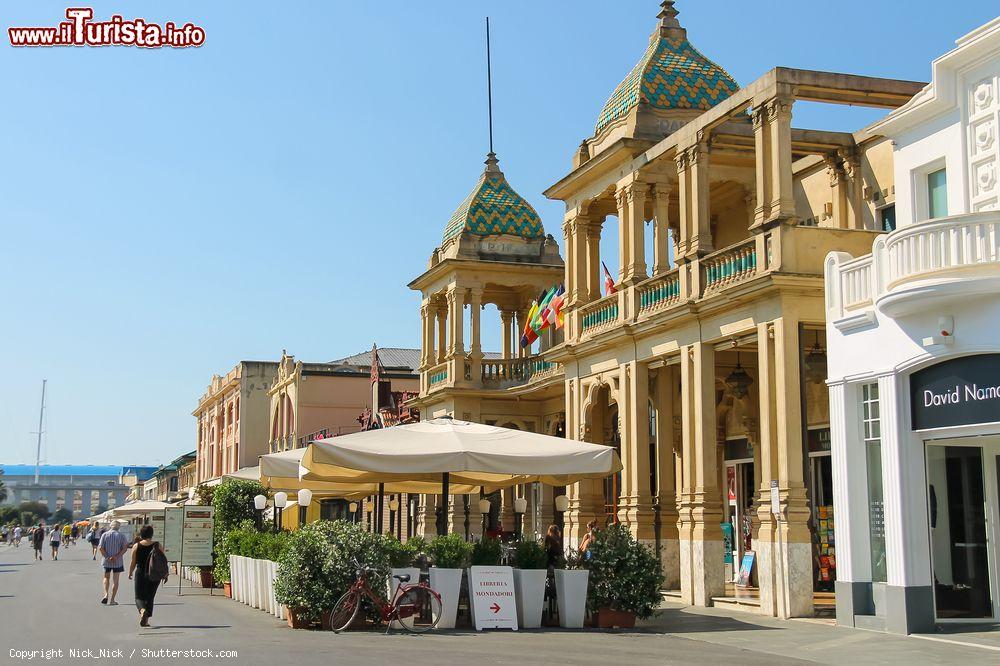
x=280 y=501
x=484 y=508
x=259 y=504
x=562 y=503
x=353 y=508
x=520 y=506
x=394 y=504
x=305 y=499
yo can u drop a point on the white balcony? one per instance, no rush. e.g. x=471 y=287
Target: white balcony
x=915 y=268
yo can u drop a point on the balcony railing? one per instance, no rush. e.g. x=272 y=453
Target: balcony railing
x=515 y=371
x=953 y=256
x=599 y=315
x=437 y=374
x=659 y=293
x=732 y=265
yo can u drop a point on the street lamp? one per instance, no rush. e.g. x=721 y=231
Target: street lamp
x=561 y=503
x=353 y=508
x=484 y=508
x=259 y=504
x=520 y=507
x=280 y=500
x=305 y=499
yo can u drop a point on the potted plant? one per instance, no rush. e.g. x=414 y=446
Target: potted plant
x=486 y=553
x=403 y=560
x=530 y=572
x=625 y=579
x=449 y=555
x=571 y=591
x=304 y=584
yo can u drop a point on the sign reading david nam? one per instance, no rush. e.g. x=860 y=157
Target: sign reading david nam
x=962 y=391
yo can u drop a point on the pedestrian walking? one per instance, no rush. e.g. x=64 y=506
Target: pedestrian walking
x=149 y=565
x=67 y=533
x=37 y=540
x=94 y=537
x=112 y=547
x=55 y=537
x=18 y=533
x=74 y=533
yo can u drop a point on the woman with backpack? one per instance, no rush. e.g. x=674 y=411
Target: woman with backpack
x=149 y=564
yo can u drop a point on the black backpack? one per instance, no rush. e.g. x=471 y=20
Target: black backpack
x=157 y=567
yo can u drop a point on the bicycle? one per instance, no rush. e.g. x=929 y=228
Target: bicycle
x=415 y=606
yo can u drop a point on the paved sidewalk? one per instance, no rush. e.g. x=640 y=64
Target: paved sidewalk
x=55 y=605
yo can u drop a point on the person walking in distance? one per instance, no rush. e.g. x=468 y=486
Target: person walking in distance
x=18 y=532
x=37 y=539
x=55 y=536
x=112 y=547
x=149 y=565
x=93 y=537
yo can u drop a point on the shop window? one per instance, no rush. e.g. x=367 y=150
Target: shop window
x=872 y=432
x=937 y=193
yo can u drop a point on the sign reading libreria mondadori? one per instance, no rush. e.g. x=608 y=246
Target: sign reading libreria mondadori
x=961 y=391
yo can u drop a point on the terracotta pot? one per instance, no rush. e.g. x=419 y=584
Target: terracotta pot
x=227 y=589
x=296 y=620
x=207 y=579
x=606 y=618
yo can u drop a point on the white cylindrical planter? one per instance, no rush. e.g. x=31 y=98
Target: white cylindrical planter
x=392 y=584
x=529 y=589
x=571 y=596
x=447 y=583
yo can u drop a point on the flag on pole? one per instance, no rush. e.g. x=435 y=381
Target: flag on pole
x=528 y=335
x=609 y=282
x=555 y=306
x=537 y=322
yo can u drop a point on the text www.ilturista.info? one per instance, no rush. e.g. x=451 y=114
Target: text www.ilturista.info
x=80 y=30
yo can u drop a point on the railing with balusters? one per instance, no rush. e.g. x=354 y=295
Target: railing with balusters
x=659 y=292
x=600 y=314
x=729 y=266
x=856 y=283
x=516 y=370
x=437 y=374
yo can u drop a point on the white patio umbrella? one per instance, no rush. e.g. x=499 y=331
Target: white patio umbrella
x=446 y=449
x=139 y=508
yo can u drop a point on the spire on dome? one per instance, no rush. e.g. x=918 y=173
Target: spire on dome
x=669 y=26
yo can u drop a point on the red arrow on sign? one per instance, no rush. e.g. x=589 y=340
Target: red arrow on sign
x=495 y=608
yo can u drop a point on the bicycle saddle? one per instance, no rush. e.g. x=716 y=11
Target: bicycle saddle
x=402 y=578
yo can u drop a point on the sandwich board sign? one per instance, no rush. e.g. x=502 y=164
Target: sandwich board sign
x=493 y=602
x=199 y=521
x=173 y=521
x=156 y=521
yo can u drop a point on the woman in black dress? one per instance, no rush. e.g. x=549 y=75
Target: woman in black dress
x=145 y=589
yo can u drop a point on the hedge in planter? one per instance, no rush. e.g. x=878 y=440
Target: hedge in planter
x=625 y=575
x=449 y=551
x=487 y=552
x=317 y=565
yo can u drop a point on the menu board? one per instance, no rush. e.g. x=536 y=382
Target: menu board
x=173 y=526
x=156 y=522
x=198 y=525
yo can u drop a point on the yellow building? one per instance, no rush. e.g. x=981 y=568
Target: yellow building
x=706 y=367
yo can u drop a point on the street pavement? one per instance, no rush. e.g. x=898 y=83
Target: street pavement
x=48 y=606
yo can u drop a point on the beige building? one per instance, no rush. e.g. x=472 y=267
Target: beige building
x=232 y=419
x=317 y=400
x=706 y=368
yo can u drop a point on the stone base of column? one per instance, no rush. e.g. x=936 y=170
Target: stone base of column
x=785 y=576
x=670 y=563
x=708 y=575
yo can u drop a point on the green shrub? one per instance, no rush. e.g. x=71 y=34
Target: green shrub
x=404 y=554
x=247 y=541
x=486 y=552
x=233 y=502
x=449 y=551
x=530 y=554
x=317 y=565
x=625 y=575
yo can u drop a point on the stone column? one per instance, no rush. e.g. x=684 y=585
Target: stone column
x=520 y=318
x=838 y=193
x=779 y=116
x=854 y=190
x=577 y=260
x=624 y=232
x=666 y=490
x=505 y=322
x=784 y=545
x=456 y=319
x=702 y=566
x=700 y=210
x=475 y=343
x=636 y=501
x=762 y=161
x=594 y=259
x=442 y=334
x=683 y=205
x=661 y=228
x=634 y=243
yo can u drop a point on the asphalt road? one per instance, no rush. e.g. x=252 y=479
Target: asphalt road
x=48 y=606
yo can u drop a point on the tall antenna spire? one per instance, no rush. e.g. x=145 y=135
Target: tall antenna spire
x=38 y=451
x=489 y=82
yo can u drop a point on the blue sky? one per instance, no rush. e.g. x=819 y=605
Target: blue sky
x=166 y=213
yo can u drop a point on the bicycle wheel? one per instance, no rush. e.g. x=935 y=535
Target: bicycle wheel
x=418 y=609
x=344 y=611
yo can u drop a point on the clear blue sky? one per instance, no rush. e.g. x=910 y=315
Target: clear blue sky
x=166 y=213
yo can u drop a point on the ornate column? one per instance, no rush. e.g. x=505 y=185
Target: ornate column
x=838 y=192
x=577 y=259
x=854 y=195
x=456 y=312
x=505 y=324
x=632 y=223
x=779 y=116
x=661 y=228
x=636 y=501
x=683 y=205
x=624 y=231
x=475 y=343
x=594 y=259
x=702 y=565
x=442 y=334
x=427 y=355
x=700 y=210
x=666 y=487
x=520 y=317
x=762 y=161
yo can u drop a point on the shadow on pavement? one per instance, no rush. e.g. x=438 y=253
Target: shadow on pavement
x=676 y=621
x=191 y=626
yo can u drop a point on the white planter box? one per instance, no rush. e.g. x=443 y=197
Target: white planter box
x=529 y=587
x=447 y=583
x=571 y=596
x=392 y=584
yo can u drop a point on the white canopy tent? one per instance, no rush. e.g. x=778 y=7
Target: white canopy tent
x=139 y=508
x=440 y=451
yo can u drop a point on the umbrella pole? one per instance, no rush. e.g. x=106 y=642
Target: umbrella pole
x=443 y=508
x=381 y=502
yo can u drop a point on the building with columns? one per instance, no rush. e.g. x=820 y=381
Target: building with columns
x=706 y=366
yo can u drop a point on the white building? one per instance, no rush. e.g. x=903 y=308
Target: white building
x=914 y=365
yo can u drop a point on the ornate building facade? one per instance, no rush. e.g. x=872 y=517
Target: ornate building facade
x=705 y=368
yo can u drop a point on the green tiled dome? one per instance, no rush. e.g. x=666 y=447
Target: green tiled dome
x=672 y=74
x=493 y=207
